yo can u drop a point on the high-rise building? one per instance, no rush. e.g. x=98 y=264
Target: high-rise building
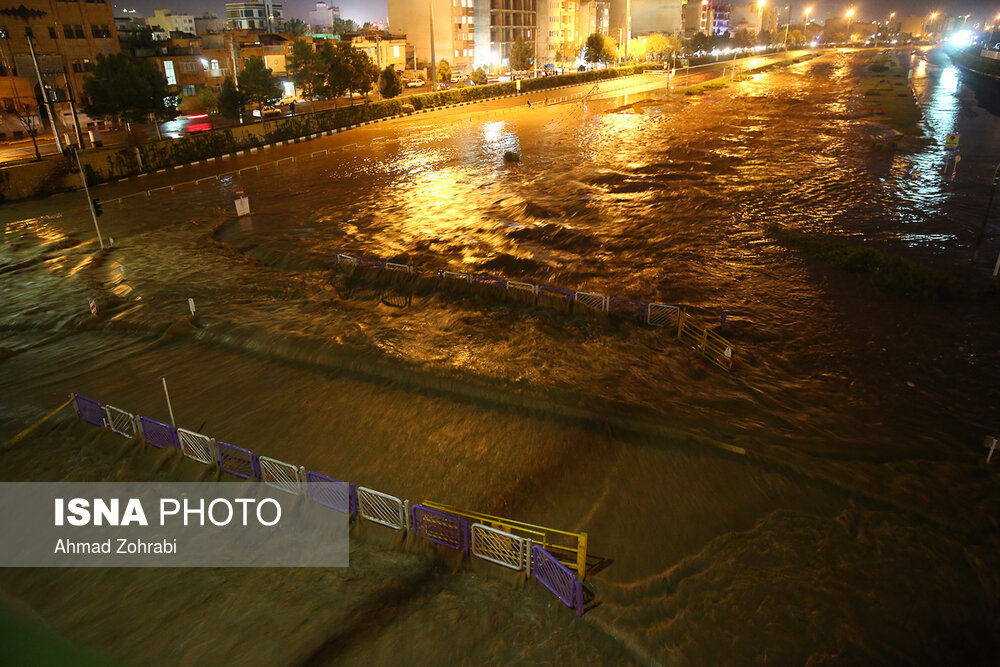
x=67 y=38
x=259 y=15
x=455 y=23
x=321 y=18
x=698 y=17
x=720 y=19
x=558 y=30
x=594 y=17
x=659 y=16
x=170 y=22
x=510 y=20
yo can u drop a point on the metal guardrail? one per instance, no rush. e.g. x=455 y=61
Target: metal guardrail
x=121 y=422
x=158 y=434
x=501 y=541
x=498 y=546
x=198 y=447
x=712 y=346
x=381 y=508
x=280 y=475
x=570 y=547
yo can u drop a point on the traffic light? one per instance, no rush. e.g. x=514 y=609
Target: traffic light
x=97 y=207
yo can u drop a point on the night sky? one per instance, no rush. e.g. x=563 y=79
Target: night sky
x=375 y=10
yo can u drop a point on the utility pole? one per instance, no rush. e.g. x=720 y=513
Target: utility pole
x=236 y=80
x=72 y=106
x=45 y=95
x=789 y=8
x=433 y=73
x=90 y=202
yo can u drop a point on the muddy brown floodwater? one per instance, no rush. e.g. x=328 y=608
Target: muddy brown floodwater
x=861 y=526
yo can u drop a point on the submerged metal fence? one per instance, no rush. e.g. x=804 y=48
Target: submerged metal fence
x=709 y=344
x=545 y=554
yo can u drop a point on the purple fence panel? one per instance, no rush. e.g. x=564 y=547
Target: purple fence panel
x=237 y=461
x=630 y=308
x=331 y=493
x=159 y=434
x=557 y=578
x=440 y=528
x=556 y=291
x=493 y=281
x=89 y=410
x=365 y=261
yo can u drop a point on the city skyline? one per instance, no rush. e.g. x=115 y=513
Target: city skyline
x=361 y=11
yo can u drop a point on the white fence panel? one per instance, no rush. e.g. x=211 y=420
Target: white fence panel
x=121 y=422
x=498 y=547
x=595 y=301
x=662 y=315
x=280 y=475
x=196 y=446
x=347 y=259
x=455 y=276
x=513 y=285
x=381 y=508
x=402 y=268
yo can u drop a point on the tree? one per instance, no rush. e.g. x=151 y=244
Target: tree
x=26 y=117
x=122 y=90
x=339 y=70
x=296 y=27
x=520 y=55
x=764 y=37
x=743 y=39
x=479 y=76
x=209 y=100
x=444 y=72
x=599 y=49
x=389 y=83
x=698 y=42
x=565 y=51
x=257 y=83
x=343 y=27
x=230 y=100
x=796 y=37
x=307 y=68
x=364 y=72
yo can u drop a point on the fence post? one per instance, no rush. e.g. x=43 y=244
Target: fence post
x=581 y=555
x=406 y=515
x=680 y=322
x=527 y=562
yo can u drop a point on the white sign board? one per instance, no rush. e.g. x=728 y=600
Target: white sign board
x=243 y=206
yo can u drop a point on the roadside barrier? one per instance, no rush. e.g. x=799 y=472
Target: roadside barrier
x=198 y=447
x=686 y=328
x=546 y=554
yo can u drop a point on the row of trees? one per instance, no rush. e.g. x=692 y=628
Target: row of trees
x=331 y=69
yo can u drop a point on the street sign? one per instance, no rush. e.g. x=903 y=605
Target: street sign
x=243 y=206
x=93 y=307
x=239 y=193
x=951 y=141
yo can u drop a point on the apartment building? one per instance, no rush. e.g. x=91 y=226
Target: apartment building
x=260 y=15
x=558 y=30
x=67 y=37
x=171 y=23
x=455 y=22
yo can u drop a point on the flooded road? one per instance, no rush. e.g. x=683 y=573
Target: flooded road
x=862 y=522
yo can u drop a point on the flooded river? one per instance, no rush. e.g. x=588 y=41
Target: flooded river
x=860 y=526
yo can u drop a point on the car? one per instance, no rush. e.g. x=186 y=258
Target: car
x=416 y=83
x=267 y=112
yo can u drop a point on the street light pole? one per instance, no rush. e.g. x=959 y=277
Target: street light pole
x=90 y=202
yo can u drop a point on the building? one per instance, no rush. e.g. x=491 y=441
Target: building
x=698 y=17
x=262 y=15
x=754 y=18
x=594 y=17
x=67 y=37
x=558 y=30
x=455 y=22
x=171 y=23
x=509 y=21
x=660 y=16
x=208 y=23
x=383 y=47
x=720 y=19
x=322 y=18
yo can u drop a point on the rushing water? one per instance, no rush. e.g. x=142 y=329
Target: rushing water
x=860 y=525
